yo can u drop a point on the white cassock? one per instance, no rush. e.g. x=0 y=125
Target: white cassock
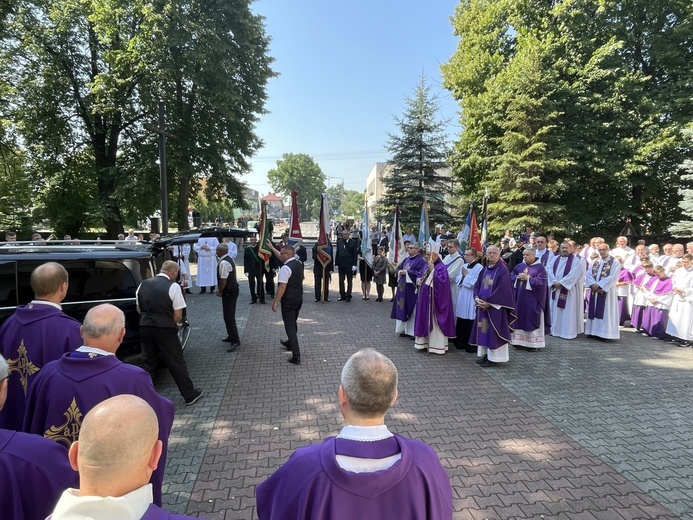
x=466 y=308
x=544 y=256
x=680 y=324
x=569 y=321
x=608 y=326
x=206 y=262
x=233 y=249
x=625 y=253
x=454 y=264
x=184 y=251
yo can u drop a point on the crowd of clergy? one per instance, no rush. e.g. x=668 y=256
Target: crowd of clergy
x=516 y=293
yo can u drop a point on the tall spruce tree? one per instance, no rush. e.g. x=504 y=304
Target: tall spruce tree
x=418 y=159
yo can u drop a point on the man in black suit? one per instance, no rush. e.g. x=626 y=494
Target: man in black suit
x=227 y=288
x=318 y=272
x=253 y=267
x=345 y=259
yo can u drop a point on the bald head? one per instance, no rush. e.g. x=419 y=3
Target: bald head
x=369 y=380
x=170 y=268
x=104 y=327
x=49 y=281
x=116 y=446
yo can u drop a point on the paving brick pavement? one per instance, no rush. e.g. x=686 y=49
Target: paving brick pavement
x=581 y=430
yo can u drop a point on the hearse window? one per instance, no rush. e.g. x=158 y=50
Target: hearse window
x=89 y=280
x=8 y=292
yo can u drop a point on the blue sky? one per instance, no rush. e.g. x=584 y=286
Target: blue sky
x=345 y=68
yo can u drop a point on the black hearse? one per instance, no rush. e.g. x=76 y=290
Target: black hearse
x=100 y=272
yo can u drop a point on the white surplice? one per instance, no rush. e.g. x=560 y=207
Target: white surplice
x=568 y=322
x=466 y=308
x=454 y=264
x=607 y=327
x=206 y=262
x=680 y=324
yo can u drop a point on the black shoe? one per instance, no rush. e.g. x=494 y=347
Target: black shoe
x=341 y=298
x=227 y=340
x=327 y=300
x=482 y=360
x=198 y=394
x=317 y=300
x=233 y=346
x=188 y=291
x=286 y=343
x=348 y=298
x=253 y=301
x=487 y=364
x=392 y=299
x=204 y=290
x=295 y=360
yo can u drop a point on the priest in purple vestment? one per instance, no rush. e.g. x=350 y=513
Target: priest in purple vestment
x=435 y=319
x=366 y=472
x=66 y=389
x=116 y=454
x=33 y=471
x=408 y=272
x=495 y=313
x=532 y=302
x=34 y=335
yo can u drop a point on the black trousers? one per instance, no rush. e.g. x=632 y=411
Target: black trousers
x=463 y=328
x=345 y=272
x=228 y=305
x=269 y=283
x=290 y=310
x=256 y=288
x=164 y=341
x=322 y=282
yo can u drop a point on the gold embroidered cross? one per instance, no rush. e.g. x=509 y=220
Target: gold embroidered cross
x=483 y=325
x=488 y=281
x=68 y=432
x=23 y=366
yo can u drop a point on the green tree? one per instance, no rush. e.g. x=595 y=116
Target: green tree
x=599 y=93
x=684 y=228
x=418 y=157
x=352 y=203
x=214 y=70
x=88 y=74
x=301 y=173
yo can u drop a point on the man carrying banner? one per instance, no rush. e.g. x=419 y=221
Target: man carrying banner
x=322 y=256
x=495 y=313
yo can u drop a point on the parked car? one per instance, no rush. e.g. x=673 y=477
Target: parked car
x=99 y=272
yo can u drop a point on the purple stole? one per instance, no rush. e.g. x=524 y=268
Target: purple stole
x=664 y=287
x=625 y=276
x=545 y=257
x=563 y=293
x=598 y=300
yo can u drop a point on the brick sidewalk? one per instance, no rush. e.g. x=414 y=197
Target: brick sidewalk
x=581 y=430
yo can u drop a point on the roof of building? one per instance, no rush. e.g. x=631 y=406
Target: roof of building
x=270 y=197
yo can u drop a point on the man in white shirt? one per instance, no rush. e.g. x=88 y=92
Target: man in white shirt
x=622 y=250
x=116 y=454
x=543 y=254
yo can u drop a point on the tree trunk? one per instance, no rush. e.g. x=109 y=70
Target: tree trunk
x=105 y=163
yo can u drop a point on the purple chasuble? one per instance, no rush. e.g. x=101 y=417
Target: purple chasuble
x=34 y=472
x=156 y=513
x=66 y=389
x=530 y=304
x=491 y=327
x=405 y=298
x=33 y=336
x=435 y=302
x=311 y=485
